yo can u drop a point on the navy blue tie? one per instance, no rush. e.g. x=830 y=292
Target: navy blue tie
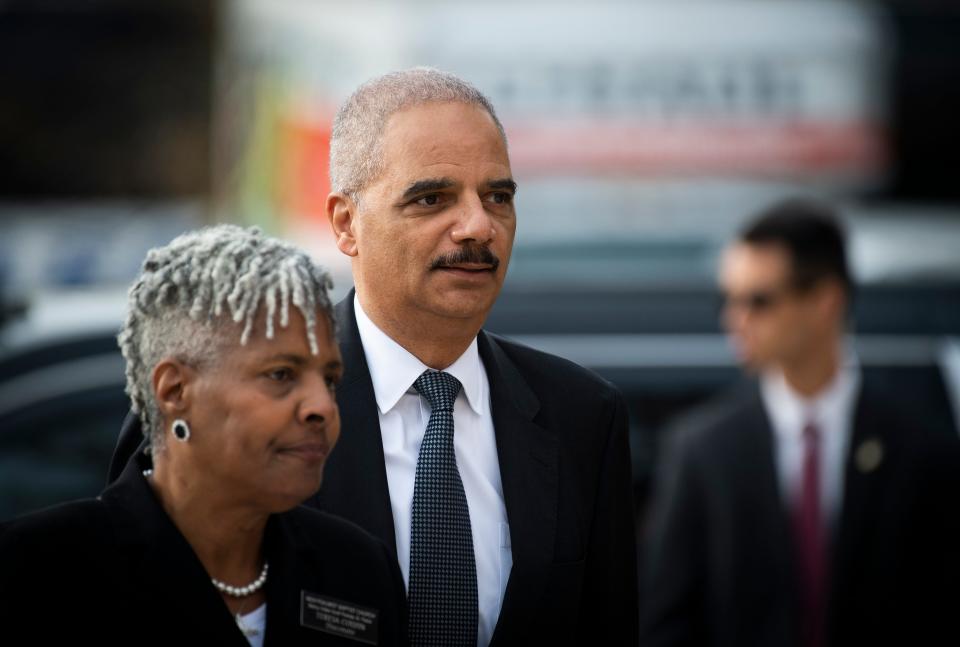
x=442 y=589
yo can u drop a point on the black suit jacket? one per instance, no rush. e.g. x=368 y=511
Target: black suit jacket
x=115 y=570
x=720 y=567
x=561 y=435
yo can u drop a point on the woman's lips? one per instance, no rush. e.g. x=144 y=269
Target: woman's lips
x=310 y=452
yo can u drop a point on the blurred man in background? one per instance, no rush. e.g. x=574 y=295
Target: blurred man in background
x=803 y=509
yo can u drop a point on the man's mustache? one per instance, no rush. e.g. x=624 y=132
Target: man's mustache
x=467 y=254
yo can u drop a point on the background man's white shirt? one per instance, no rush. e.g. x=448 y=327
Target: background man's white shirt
x=832 y=411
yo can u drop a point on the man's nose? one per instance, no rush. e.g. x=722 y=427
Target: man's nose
x=474 y=222
x=733 y=317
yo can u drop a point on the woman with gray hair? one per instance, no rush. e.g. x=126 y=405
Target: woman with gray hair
x=231 y=367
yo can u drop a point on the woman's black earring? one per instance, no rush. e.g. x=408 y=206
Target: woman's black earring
x=181 y=430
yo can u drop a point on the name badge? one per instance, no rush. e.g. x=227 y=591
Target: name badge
x=339 y=618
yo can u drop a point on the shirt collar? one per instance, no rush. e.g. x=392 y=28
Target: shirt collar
x=790 y=411
x=393 y=369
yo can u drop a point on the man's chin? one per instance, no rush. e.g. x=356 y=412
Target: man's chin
x=749 y=361
x=463 y=304
x=466 y=299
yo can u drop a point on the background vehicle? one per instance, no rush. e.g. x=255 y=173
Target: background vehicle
x=641 y=134
x=61 y=399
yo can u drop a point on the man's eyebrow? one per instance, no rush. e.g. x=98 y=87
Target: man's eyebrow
x=503 y=183
x=428 y=185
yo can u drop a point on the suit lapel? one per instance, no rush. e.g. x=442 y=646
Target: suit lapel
x=529 y=471
x=759 y=473
x=769 y=517
x=761 y=469
x=355 y=477
x=867 y=464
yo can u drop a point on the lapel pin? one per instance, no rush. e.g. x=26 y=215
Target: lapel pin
x=869 y=455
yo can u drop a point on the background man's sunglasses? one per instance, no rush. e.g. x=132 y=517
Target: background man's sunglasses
x=757 y=301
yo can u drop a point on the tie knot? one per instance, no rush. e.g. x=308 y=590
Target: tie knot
x=439 y=388
x=811 y=433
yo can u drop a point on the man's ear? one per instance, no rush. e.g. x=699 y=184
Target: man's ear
x=342 y=212
x=831 y=300
x=173 y=387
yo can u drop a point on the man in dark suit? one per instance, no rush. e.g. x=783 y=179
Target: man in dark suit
x=803 y=509
x=517 y=528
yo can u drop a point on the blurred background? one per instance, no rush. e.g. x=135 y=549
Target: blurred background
x=642 y=135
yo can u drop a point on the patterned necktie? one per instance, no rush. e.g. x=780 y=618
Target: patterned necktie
x=442 y=589
x=810 y=540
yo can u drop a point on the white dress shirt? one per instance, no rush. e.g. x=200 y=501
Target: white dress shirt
x=404 y=414
x=254 y=625
x=831 y=411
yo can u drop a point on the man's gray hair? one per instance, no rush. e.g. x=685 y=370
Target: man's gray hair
x=193 y=293
x=356 y=143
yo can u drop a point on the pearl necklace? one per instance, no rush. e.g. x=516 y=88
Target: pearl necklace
x=234 y=591
x=243 y=591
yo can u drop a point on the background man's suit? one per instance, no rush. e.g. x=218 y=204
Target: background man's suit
x=561 y=437
x=721 y=568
